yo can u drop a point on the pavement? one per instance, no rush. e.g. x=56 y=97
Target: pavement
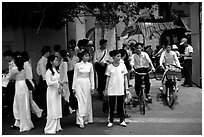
x=184 y=119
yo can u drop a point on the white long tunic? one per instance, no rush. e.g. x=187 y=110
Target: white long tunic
x=29 y=75
x=54 y=107
x=83 y=82
x=21 y=104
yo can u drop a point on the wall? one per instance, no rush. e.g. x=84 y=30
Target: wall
x=72 y=30
x=31 y=42
x=196 y=43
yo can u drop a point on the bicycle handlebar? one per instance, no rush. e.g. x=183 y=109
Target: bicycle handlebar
x=142 y=74
x=168 y=66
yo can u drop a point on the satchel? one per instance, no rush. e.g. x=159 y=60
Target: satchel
x=128 y=97
x=65 y=108
x=29 y=85
x=73 y=102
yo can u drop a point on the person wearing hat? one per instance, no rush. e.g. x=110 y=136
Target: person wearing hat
x=168 y=57
x=188 y=53
x=100 y=63
x=175 y=49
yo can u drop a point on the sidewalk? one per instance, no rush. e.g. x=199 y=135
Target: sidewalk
x=186 y=118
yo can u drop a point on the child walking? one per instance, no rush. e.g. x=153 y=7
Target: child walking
x=116 y=83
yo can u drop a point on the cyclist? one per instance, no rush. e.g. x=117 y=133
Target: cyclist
x=141 y=63
x=168 y=57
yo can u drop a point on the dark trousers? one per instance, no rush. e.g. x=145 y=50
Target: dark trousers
x=101 y=79
x=188 y=72
x=70 y=78
x=138 y=81
x=120 y=107
x=40 y=94
x=7 y=98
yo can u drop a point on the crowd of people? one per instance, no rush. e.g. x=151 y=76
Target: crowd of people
x=79 y=71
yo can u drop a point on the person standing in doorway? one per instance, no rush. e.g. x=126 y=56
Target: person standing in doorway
x=42 y=86
x=188 y=53
x=100 y=64
x=72 y=60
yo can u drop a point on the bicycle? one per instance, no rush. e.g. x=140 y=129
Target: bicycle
x=172 y=74
x=142 y=96
x=158 y=74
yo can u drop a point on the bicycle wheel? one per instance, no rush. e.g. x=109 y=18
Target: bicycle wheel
x=170 y=96
x=151 y=75
x=158 y=73
x=142 y=101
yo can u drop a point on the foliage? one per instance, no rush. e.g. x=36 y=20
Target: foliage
x=55 y=14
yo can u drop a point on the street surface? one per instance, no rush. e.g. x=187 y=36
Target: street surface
x=184 y=119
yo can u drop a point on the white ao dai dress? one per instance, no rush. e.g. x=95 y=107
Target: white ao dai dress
x=54 y=107
x=83 y=82
x=21 y=104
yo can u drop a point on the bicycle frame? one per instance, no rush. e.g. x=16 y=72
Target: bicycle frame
x=170 y=88
x=170 y=92
x=142 y=92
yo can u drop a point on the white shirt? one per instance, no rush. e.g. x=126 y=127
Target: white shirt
x=28 y=70
x=169 y=58
x=140 y=61
x=99 y=54
x=71 y=62
x=63 y=71
x=188 y=50
x=116 y=81
x=41 y=67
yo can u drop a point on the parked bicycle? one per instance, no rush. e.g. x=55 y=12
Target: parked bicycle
x=142 y=97
x=172 y=74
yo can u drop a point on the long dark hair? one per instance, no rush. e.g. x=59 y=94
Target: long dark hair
x=63 y=54
x=19 y=62
x=50 y=59
x=25 y=56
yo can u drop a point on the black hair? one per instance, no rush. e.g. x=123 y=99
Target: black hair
x=45 y=49
x=50 y=59
x=63 y=54
x=102 y=41
x=19 y=62
x=16 y=54
x=70 y=48
x=25 y=56
x=83 y=43
x=8 y=53
x=113 y=53
x=124 y=52
x=138 y=44
x=85 y=52
x=124 y=45
x=81 y=54
x=57 y=48
x=72 y=41
x=80 y=43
